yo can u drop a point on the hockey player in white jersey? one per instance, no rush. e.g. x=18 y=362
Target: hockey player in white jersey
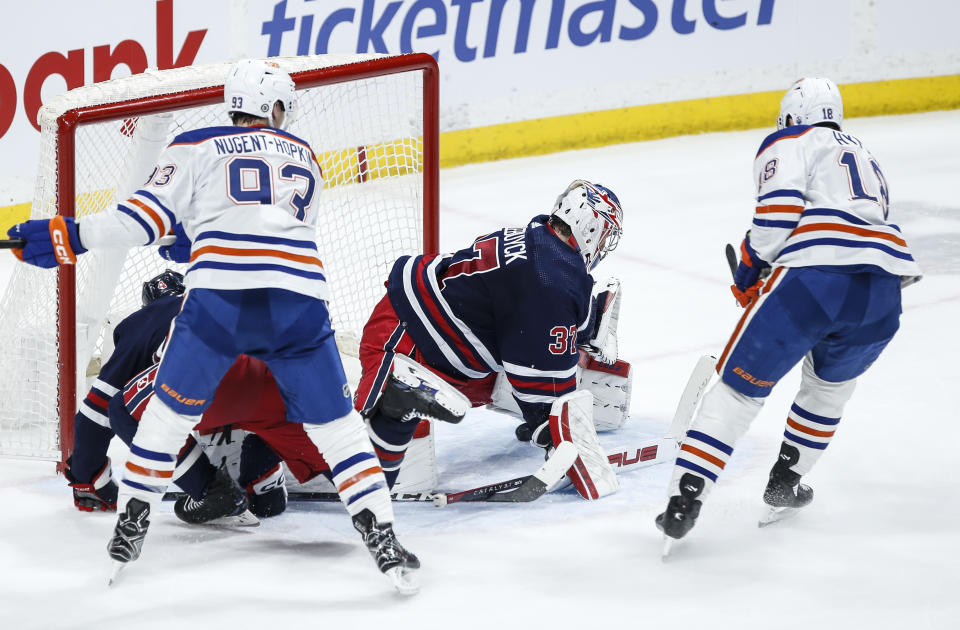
x=832 y=299
x=244 y=195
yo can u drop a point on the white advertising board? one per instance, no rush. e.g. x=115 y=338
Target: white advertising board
x=501 y=60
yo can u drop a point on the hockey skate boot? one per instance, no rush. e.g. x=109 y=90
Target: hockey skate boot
x=682 y=509
x=224 y=498
x=392 y=559
x=130 y=531
x=784 y=489
x=415 y=393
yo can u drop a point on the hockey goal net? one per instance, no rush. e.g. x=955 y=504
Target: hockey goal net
x=372 y=122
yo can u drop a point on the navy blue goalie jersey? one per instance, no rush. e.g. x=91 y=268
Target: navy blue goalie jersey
x=514 y=301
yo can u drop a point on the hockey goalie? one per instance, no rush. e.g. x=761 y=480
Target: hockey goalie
x=518 y=302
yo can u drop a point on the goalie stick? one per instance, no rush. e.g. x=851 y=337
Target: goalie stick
x=520 y=489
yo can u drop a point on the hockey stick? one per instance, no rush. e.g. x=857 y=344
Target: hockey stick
x=690 y=398
x=520 y=489
x=18 y=243
x=732 y=260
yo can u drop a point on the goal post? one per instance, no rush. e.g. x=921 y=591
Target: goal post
x=372 y=121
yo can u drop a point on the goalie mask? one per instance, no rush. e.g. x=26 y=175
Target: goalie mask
x=594 y=217
x=254 y=85
x=167 y=283
x=810 y=101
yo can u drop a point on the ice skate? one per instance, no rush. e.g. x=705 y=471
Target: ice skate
x=392 y=559
x=681 y=513
x=784 y=493
x=128 y=535
x=415 y=393
x=224 y=505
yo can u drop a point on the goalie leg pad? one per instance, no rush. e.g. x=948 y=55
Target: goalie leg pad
x=414 y=392
x=611 y=386
x=571 y=420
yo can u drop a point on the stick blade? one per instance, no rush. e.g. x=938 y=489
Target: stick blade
x=732 y=261
x=549 y=473
x=690 y=398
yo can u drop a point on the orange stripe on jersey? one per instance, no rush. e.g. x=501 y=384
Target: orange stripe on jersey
x=850 y=229
x=149 y=472
x=799 y=427
x=152 y=214
x=726 y=350
x=358 y=477
x=716 y=461
x=779 y=208
x=231 y=251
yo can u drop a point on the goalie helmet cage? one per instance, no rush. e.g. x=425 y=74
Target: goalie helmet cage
x=372 y=121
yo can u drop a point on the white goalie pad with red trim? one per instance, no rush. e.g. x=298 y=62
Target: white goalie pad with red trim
x=571 y=420
x=611 y=386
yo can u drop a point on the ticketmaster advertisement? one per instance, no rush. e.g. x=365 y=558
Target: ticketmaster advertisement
x=501 y=61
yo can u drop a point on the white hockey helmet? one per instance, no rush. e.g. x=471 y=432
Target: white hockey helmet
x=595 y=218
x=254 y=85
x=810 y=101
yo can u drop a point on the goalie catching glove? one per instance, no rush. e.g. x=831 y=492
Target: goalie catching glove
x=602 y=344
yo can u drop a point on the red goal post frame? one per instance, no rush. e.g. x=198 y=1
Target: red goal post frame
x=68 y=123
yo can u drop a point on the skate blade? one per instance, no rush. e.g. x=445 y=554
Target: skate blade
x=667 y=548
x=244 y=519
x=404 y=580
x=777 y=514
x=115 y=572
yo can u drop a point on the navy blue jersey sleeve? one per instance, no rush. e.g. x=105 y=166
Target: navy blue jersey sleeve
x=136 y=339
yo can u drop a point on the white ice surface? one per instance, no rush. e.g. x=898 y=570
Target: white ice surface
x=878 y=548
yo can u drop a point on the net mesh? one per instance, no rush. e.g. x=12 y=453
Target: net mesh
x=367 y=134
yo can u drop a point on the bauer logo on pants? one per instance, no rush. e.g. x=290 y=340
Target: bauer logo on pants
x=191 y=402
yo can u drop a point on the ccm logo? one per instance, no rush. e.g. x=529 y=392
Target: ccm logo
x=619 y=460
x=749 y=377
x=60 y=249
